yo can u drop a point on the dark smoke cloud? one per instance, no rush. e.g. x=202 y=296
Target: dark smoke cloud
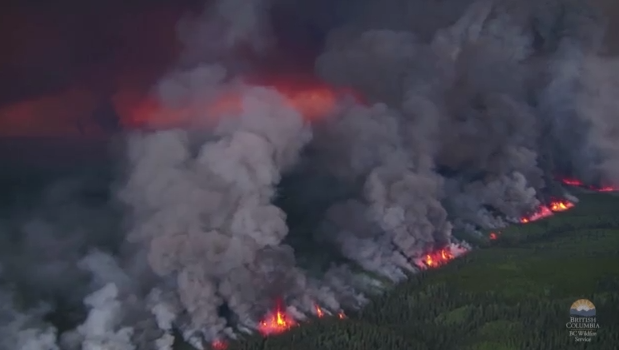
x=473 y=84
x=472 y=108
x=226 y=24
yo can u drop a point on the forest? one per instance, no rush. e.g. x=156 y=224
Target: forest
x=512 y=293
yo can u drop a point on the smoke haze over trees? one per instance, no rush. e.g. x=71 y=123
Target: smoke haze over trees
x=446 y=115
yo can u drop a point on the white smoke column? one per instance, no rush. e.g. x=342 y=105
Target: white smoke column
x=205 y=210
x=165 y=314
x=102 y=330
x=104 y=269
x=104 y=327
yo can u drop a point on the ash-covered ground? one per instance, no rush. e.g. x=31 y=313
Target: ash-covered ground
x=230 y=192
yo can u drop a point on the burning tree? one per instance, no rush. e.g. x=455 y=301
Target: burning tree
x=276 y=321
x=438 y=258
x=544 y=211
x=578 y=183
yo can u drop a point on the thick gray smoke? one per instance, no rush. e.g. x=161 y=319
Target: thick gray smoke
x=398 y=215
x=470 y=109
x=470 y=105
x=204 y=207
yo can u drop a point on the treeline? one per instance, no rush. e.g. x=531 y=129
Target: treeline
x=593 y=211
x=547 y=229
x=515 y=295
x=443 y=318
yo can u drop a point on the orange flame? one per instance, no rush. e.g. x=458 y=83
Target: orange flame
x=541 y=212
x=276 y=322
x=438 y=258
x=578 y=183
x=219 y=345
x=493 y=236
x=560 y=205
x=544 y=211
x=319 y=311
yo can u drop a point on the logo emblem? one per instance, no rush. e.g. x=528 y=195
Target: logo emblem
x=583 y=324
x=582 y=308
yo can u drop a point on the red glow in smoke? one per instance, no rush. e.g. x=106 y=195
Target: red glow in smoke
x=52 y=115
x=578 y=183
x=313 y=99
x=493 y=236
x=70 y=112
x=438 y=258
x=544 y=211
x=572 y=182
x=219 y=345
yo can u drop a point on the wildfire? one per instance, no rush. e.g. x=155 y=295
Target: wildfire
x=545 y=211
x=219 y=345
x=572 y=182
x=541 y=212
x=319 y=311
x=276 y=322
x=493 y=236
x=578 y=183
x=438 y=258
x=561 y=205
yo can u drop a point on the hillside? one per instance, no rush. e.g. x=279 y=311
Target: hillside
x=512 y=294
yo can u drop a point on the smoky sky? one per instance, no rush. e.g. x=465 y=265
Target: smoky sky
x=102 y=44
x=470 y=110
x=101 y=47
x=98 y=45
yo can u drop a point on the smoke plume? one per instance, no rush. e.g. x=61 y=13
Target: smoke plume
x=233 y=199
